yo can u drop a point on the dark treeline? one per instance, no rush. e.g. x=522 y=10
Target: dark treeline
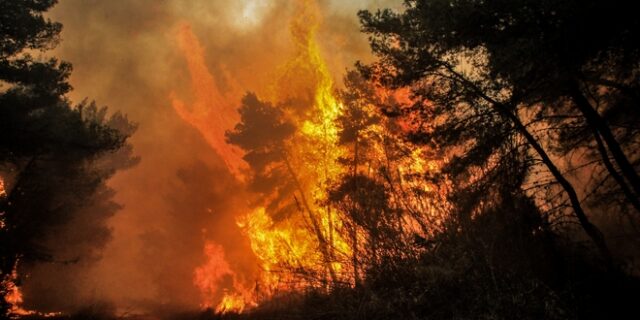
x=531 y=107
x=54 y=158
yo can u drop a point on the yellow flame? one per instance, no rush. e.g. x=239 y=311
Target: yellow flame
x=309 y=247
x=314 y=153
x=231 y=302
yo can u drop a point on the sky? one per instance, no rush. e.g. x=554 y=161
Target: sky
x=137 y=57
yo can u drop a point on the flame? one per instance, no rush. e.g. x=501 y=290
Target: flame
x=3 y=194
x=212 y=112
x=231 y=302
x=210 y=278
x=287 y=243
x=3 y=191
x=309 y=247
x=292 y=245
x=13 y=296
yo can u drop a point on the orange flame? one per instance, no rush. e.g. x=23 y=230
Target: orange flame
x=296 y=243
x=209 y=276
x=13 y=296
x=217 y=281
x=314 y=153
x=212 y=112
x=3 y=191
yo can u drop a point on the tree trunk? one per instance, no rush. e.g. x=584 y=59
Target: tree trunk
x=590 y=229
x=324 y=246
x=633 y=199
x=354 y=256
x=598 y=123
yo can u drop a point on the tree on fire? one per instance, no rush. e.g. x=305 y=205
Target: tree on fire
x=54 y=157
x=539 y=79
x=379 y=190
x=372 y=199
x=265 y=133
x=534 y=106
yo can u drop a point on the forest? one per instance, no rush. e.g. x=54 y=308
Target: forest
x=416 y=159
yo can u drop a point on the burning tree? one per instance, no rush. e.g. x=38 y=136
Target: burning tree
x=494 y=97
x=332 y=173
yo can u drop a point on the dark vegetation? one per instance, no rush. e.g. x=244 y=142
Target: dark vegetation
x=531 y=107
x=533 y=104
x=54 y=156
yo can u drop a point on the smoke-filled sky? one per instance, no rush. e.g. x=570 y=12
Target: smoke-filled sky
x=135 y=57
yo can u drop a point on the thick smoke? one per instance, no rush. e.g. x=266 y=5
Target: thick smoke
x=127 y=55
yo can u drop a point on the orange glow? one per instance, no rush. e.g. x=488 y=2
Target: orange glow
x=3 y=191
x=14 y=297
x=306 y=242
x=233 y=302
x=213 y=110
x=215 y=279
x=308 y=248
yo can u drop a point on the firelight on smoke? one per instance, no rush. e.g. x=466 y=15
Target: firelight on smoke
x=309 y=247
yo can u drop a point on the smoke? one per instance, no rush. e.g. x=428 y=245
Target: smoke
x=164 y=63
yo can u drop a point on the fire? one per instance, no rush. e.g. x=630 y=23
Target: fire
x=209 y=276
x=288 y=243
x=217 y=281
x=276 y=245
x=231 y=302
x=306 y=242
x=308 y=248
x=212 y=111
x=3 y=191
x=13 y=296
x=3 y=194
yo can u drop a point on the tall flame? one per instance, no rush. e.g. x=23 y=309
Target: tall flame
x=210 y=278
x=290 y=242
x=310 y=240
x=212 y=111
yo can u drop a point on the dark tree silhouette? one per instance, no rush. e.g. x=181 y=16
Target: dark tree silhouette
x=52 y=154
x=490 y=72
x=265 y=133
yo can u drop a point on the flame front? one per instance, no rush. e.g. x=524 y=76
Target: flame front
x=212 y=111
x=306 y=242
x=216 y=280
x=309 y=247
